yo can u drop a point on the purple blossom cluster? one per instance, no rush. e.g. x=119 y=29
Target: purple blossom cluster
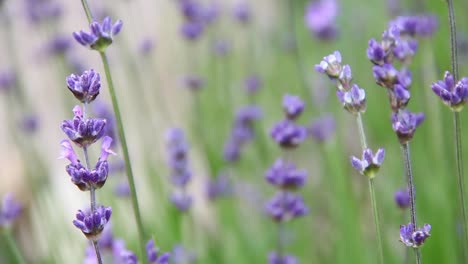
x=454 y=95
x=320 y=19
x=369 y=164
x=398 y=43
x=9 y=211
x=177 y=149
x=196 y=16
x=242 y=132
x=100 y=35
x=84 y=132
x=287 y=204
x=413 y=237
x=351 y=96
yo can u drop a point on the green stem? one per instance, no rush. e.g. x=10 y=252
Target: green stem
x=375 y=212
x=128 y=165
x=89 y=15
x=14 y=247
x=412 y=192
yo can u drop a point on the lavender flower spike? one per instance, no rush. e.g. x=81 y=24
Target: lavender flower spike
x=370 y=163
x=404 y=123
x=288 y=134
x=453 y=95
x=286 y=206
x=85 y=87
x=92 y=223
x=285 y=175
x=330 y=65
x=101 y=34
x=412 y=237
x=10 y=210
x=153 y=255
x=293 y=106
x=82 y=131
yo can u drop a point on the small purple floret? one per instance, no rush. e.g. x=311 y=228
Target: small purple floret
x=293 y=106
x=101 y=34
x=404 y=123
x=412 y=237
x=402 y=198
x=92 y=223
x=285 y=175
x=10 y=210
x=274 y=258
x=320 y=18
x=85 y=87
x=153 y=254
x=453 y=95
x=370 y=163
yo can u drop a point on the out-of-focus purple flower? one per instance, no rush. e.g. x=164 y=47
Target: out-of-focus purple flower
x=288 y=134
x=101 y=34
x=210 y=13
x=405 y=50
x=221 y=186
x=252 y=84
x=177 y=148
x=402 y=198
x=39 y=11
x=330 y=65
x=453 y=95
x=412 y=237
x=191 y=30
x=285 y=175
x=423 y=25
x=190 y=9
x=323 y=128
x=181 y=255
x=103 y=111
x=369 y=164
x=83 y=132
x=181 y=201
x=122 y=189
x=153 y=254
x=85 y=87
x=30 y=123
x=293 y=106
x=404 y=123
x=320 y=18
x=58 y=45
x=274 y=258
x=221 y=47
x=242 y=12
x=128 y=257
x=92 y=223
x=7 y=80
x=285 y=206
x=10 y=210
x=354 y=100
x=193 y=82
x=146 y=46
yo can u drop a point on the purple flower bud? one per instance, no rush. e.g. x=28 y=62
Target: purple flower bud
x=210 y=13
x=92 y=223
x=320 y=18
x=181 y=201
x=285 y=175
x=146 y=46
x=369 y=164
x=375 y=52
x=412 y=237
x=83 y=132
x=190 y=9
x=354 y=100
x=404 y=123
x=105 y=148
x=122 y=189
x=330 y=65
x=323 y=128
x=153 y=255
x=399 y=97
x=193 y=82
x=10 y=210
x=404 y=50
x=453 y=95
x=252 y=84
x=345 y=78
x=85 y=87
x=285 y=206
x=221 y=47
x=274 y=258
x=402 y=198
x=101 y=34
x=385 y=75
x=29 y=123
x=288 y=134
x=293 y=106
x=191 y=30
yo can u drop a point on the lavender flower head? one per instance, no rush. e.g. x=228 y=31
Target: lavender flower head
x=85 y=87
x=330 y=65
x=10 y=210
x=101 y=35
x=369 y=164
x=402 y=198
x=192 y=30
x=423 y=25
x=153 y=254
x=322 y=128
x=242 y=12
x=285 y=175
x=354 y=100
x=320 y=18
x=453 y=95
x=274 y=258
x=252 y=84
x=288 y=134
x=92 y=223
x=404 y=123
x=83 y=132
x=7 y=80
x=412 y=237
x=293 y=106
x=285 y=206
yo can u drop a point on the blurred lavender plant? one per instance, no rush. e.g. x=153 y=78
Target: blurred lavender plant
x=322 y=128
x=320 y=19
x=10 y=210
x=402 y=198
x=286 y=205
x=194 y=24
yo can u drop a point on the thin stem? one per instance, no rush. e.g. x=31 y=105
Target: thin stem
x=128 y=165
x=89 y=15
x=375 y=212
x=14 y=247
x=457 y=125
x=98 y=254
x=412 y=192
